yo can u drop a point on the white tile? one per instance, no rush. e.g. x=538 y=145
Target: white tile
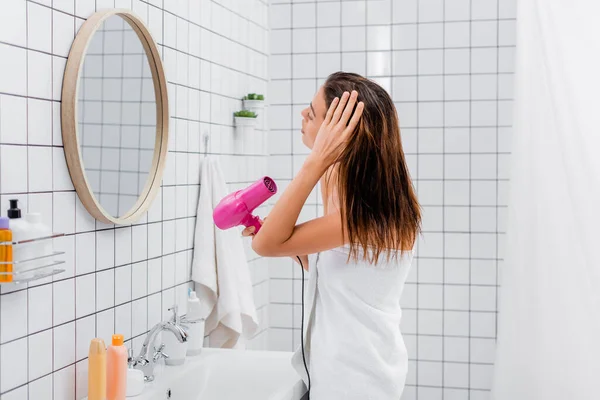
x=379 y=64
x=484 y=60
x=168 y=237
x=123 y=320
x=13 y=316
x=431 y=296
x=39 y=121
x=483 y=350
x=85 y=289
x=305 y=40
x=139 y=279
x=430 y=348
x=456 y=348
x=84 y=8
x=13 y=75
x=41 y=389
x=431 y=36
x=122 y=284
x=85 y=331
x=122 y=246
x=508 y=33
x=13 y=169
x=328 y=64
x=40 y=354
x=64 y=383
x=280 y=16
x=13 y=22
x=13 y=364
x=58 y=71
x=105 y=290
x=61 y=179
x=139 y=243
x=40 y=308
x=154 y=240
x=304 y=65
x=85 y=245
x=13 y=119
x=483 y=298
x=404 y=37
x=354 y=38
x=379 y=12
x=64 y=296
x=81 y=379
x=456 y=297
x=457 y=34
x=168 y=271
x=457 y=10
x=485 y=9
x=508 y=9
x=328 y=14
x=484 y=33
x=39 y=74
x=63 y=33
x=40 y=169
x=105 y=325
x=39 y=27
x=181 y=231
x=304 y=15
x=64 y=212
x=354 y=13
x=154 y=310
x=154 y=275
x=105 y=249
x=481 y=376
x=483 y=193
x=457 y=61
x=456 y=245
x=456 y=375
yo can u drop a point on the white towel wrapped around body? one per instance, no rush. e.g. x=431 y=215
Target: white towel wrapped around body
x=219 y=268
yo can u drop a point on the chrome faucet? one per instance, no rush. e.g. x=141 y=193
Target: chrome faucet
x=145 y=362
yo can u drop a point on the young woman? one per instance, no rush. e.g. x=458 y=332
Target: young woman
x=359 y=253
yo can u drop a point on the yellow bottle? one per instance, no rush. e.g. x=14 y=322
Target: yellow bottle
x=97 y=370
x=6 y=251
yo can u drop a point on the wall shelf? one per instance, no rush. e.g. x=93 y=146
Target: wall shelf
x=31 y=268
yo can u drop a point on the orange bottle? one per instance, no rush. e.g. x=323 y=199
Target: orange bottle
x=6 y=251
x=116 y=369
x=97 y=370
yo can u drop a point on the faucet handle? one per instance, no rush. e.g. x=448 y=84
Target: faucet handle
x=158 y=353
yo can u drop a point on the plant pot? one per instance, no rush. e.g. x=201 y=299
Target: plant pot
x=244 y=121
x=254 y=105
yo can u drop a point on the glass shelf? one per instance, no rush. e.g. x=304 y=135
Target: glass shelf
x=32 y=268
x=28 y=241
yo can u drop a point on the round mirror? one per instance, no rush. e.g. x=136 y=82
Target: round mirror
x=114 y=116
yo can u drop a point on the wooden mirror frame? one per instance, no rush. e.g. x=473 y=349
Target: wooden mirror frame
x=70 y=135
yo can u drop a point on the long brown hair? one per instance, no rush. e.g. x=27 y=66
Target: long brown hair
x=379 y=208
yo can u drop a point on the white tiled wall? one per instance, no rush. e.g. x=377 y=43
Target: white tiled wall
x=448 y=65
x=118 y=279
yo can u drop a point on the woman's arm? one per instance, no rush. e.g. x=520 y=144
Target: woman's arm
x=280 y=236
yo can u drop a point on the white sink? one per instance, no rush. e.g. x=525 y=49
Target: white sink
x=219 y=374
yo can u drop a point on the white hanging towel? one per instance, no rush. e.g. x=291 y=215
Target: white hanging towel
x=219 y=268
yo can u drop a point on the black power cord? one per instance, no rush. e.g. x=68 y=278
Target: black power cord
x=302 y=329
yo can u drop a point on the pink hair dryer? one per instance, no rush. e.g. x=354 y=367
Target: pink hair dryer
x=236 y=208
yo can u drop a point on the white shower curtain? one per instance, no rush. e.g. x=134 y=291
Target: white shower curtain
x=549 y=320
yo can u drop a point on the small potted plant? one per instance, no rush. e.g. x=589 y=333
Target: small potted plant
x=254 y=102
x=245 y=118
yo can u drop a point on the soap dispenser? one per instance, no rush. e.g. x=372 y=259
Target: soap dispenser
x=173 y=347
x=194 y=323
x=20 y=231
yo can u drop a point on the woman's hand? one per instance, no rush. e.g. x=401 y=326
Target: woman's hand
x=251 y=231
x=335 y=131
